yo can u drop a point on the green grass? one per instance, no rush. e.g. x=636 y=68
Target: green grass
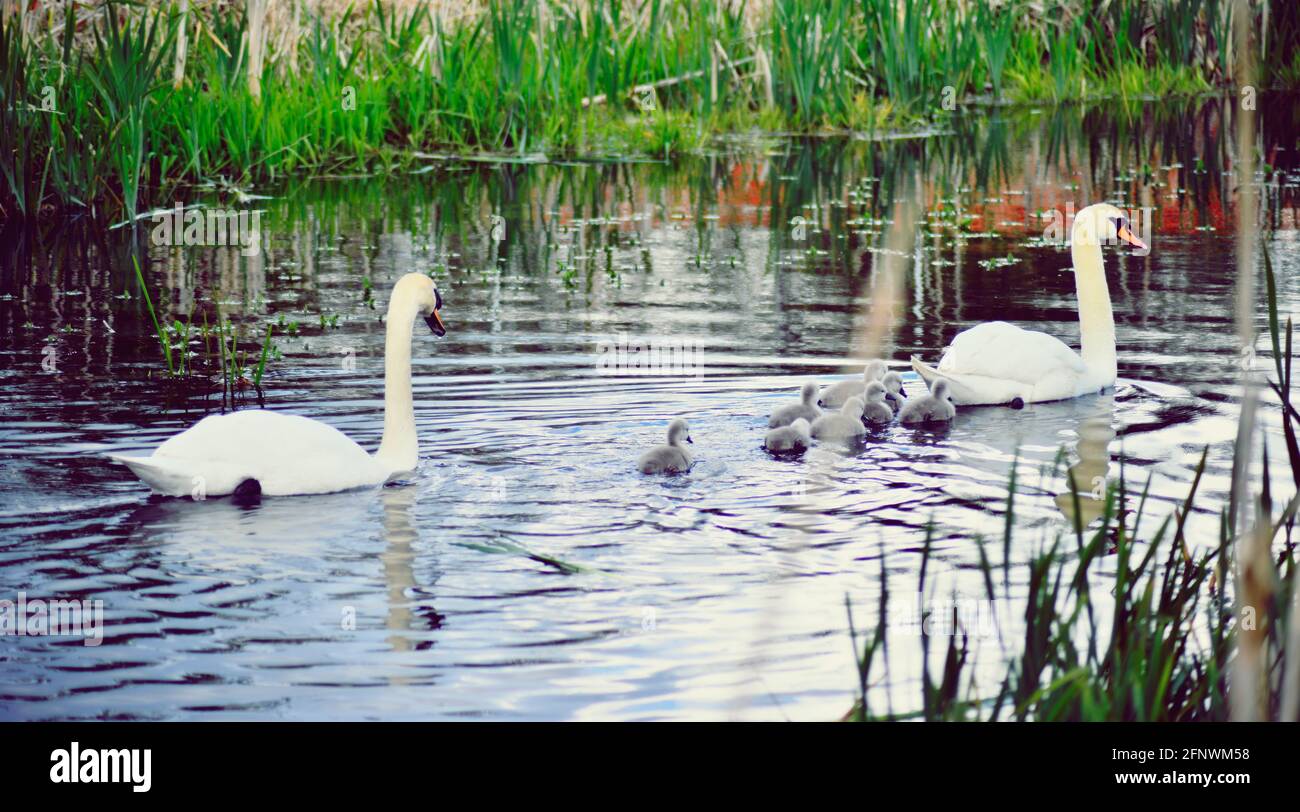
x=369 y=92
x=656 y=134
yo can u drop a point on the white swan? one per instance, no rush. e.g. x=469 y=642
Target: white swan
x=795 y=437
x=671 y=458
x=276 y=454
x=933 y=407
x=805 y=408
x=835 y=395
x=842 y=425
x=996 y=362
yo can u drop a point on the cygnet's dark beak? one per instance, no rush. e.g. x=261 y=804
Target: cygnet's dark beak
x=689 y=440
x=435 y=324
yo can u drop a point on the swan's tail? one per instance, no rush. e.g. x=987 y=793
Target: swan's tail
x=167 y=478
x=971 y=390
x=928 y=373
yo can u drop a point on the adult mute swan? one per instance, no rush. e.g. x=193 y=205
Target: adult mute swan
x=275 y=454
x=996 y=362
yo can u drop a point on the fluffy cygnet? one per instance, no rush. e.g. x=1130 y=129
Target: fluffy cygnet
x=894 y=396
x=671 y=458
x=805 y=408
x=876 y=412
x=836 y=395
x=936 y=407
x=841 y=425
x=794 y=437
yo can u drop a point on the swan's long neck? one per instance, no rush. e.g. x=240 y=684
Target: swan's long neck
x=399 y=451
x=1096 y=321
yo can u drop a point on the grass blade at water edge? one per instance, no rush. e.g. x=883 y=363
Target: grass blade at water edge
x=158 y=331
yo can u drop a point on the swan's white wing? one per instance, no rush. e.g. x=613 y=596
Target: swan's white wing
x=971 y=390
x=238 y=435
x=996 y=349
x=286 y=454
x=997 y=362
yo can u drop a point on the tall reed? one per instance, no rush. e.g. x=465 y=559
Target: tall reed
x=124 y=73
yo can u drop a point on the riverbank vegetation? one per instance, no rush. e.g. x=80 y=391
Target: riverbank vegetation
x=108 y=107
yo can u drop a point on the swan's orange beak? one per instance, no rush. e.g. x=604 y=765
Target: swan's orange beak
x=435 y=324
x=1129 y=237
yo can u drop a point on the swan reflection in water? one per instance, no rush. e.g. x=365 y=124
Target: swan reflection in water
x=406 y=614
x=1088 y=476
x=219 y=539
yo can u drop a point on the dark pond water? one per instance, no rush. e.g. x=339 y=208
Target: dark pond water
x=528 y=572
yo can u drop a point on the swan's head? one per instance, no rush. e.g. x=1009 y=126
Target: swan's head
x=1104 y=224
x=678 y=431
x=421 y=291
x=875 y=371
x=940 y=391
x=893 y=383
x=809 y=393
x=875 y=392
x=854 y=407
